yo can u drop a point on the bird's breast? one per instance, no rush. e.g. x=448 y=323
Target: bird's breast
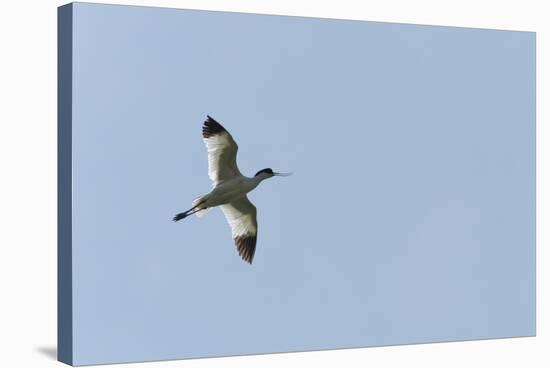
x=230 y=190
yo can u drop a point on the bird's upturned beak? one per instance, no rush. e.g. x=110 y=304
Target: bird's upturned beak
x=282 y=174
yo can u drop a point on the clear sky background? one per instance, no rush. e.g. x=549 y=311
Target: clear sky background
x=410 y=217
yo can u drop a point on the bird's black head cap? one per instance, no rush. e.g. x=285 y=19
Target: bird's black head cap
x=268 y=171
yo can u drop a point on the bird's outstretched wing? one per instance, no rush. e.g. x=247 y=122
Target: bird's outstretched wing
x=241 y=215
x=222 y=152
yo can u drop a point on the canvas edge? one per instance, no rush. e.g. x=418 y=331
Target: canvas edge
x=64 y=184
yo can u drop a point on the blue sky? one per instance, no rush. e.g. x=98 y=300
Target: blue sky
x=410 y=217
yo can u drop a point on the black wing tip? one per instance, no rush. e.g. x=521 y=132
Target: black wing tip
x=246 y=246
x=211 y=127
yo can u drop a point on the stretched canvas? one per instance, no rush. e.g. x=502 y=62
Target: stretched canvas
x=409 y=217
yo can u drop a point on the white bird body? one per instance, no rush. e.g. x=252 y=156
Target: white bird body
x=230 y=189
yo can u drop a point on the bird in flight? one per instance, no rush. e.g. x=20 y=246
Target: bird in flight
x=229 y=188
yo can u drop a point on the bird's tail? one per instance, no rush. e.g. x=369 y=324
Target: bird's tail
x=197 y=208
x=196 y=203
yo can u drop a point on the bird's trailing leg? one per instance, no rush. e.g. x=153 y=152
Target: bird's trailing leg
x=182 y=215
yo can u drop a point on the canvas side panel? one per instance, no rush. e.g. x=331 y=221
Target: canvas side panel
x=64 y=184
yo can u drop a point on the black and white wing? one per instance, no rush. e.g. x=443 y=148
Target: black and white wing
x=241 y=215
x=222 y=152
